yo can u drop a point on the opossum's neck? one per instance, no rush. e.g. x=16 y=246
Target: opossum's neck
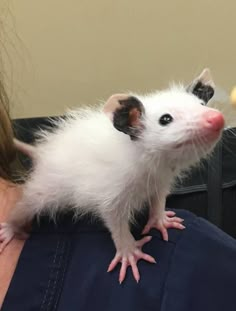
x=157 y=170
x=159 y=162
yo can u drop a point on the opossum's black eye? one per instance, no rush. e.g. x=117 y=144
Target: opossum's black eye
x=165 y=119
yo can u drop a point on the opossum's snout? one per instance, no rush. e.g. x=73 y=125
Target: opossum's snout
x=212 y=123
x=213 y=120
x=205 y=130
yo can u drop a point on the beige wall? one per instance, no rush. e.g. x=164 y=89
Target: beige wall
x=76 y=52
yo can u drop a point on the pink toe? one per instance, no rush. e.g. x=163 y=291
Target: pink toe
x=170 y=213
x=175 y=219
x=164 y=234
x=134 y=269
x=113 y=264
x=143 y=241
x=145 y=231
x=123 y=271
x=148 y=258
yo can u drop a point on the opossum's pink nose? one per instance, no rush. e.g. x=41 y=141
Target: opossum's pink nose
x=214 y=120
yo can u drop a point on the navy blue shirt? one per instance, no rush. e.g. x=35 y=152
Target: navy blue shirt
x=63 y=267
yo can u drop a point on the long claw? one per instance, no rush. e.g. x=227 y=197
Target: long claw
x=175 y=225
x=123 y=269
x=143 y=241
x=134 y=269
x=130 y=257
x=113 y=264
x=148 y=258
x=175 y=219
x=168 y=220
x=164 y=234
x=170 y=213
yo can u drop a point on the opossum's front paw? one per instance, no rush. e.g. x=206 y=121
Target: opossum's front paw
x=169 y=220
x=7 y=233
x=129 y=257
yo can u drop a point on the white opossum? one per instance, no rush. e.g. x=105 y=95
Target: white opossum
x=112 y=160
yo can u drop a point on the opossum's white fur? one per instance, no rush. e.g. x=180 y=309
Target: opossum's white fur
x=88 y=165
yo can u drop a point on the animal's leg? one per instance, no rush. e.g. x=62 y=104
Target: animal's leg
x=19 y=218
x=161 y=219
x=128 y=250
x=6 y=235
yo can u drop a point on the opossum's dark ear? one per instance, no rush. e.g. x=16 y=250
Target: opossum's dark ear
x=203 y=86
x=126 y=113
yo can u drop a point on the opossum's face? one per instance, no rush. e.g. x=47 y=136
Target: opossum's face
x=175 y=123
x=180 y=125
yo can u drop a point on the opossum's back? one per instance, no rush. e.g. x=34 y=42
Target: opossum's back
x=87 y=153
x=79 y=136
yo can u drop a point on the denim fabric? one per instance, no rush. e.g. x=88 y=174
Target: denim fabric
x=63 y=267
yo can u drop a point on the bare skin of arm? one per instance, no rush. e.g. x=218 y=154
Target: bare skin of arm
x=9 y=194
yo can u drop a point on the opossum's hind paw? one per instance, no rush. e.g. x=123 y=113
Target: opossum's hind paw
x=130 y=257
x=169 y=220
x=7 y=233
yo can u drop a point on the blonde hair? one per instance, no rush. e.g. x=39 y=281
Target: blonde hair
x=8 y=156
x=7 y=149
